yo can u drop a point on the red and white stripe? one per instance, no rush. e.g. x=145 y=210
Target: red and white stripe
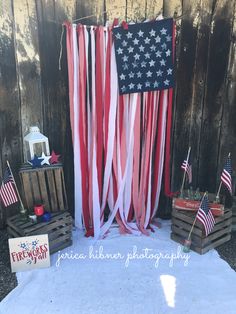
x=8 y=194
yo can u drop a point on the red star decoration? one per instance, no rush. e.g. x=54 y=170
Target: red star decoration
x=54 y=158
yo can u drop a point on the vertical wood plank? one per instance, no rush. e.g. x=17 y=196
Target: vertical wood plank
x=88 y=8
x=172 y=8
x=52 y=189
x=198 y=84
x=228 y=129
x=28 y=63
x=115 y=9
x=135 y=10
x=10 y=126
x=43 y=189
x=184 y=86
x=28 y=194
x=153 y=8
x=51 y=15
x=59 y=188
x=214 y=93
x=35 y=187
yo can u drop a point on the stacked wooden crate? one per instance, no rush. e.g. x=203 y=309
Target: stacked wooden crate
x=59 y=229
x=182 y=222
x=45 y=186
x=234 y=214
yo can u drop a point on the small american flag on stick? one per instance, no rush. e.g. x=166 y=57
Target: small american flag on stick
x=188 y=169
x=7 y=192
x=205 y=216
x=226 y=176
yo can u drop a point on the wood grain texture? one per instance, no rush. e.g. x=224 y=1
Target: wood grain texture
x=55 y=83
x=217 y=65
x=115 y=9
x=228 y=129
x=184 y=77
x=28 y=63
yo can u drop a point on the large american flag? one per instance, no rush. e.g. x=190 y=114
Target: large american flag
x=7 y=192
x=205 y=216
x=226 y=176
x=144 y=56
x=188 y=169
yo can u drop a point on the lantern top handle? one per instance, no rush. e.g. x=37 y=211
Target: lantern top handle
x=35 y=136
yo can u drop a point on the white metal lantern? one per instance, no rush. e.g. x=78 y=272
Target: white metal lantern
x=35 y=144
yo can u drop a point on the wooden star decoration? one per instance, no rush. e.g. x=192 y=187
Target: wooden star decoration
x=54 y=158
x=46 y=159
x=36 y=162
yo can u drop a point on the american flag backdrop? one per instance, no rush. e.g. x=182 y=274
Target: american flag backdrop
x=205 y=216
x=144 y=56
x=121 y=142
x=7 y=191
x=226 y=176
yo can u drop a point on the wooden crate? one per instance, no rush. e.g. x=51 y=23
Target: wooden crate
x=182 y=222
x=234 y=214
x=44 y=185
x=59 y=229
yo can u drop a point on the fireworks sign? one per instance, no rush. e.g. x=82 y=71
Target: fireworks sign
x=27 y=253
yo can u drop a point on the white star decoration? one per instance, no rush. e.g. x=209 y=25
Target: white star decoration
x=122 y=76
x=45 y=159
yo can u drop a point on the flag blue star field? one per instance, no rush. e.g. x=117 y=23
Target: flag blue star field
x=144 y=56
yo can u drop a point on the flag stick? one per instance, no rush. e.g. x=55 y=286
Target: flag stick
x=182 y=186
x=191 y=230
x=218 y=193
x=23 y=211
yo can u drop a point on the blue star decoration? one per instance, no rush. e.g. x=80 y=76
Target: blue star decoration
x=144 y=56
x=36 y=162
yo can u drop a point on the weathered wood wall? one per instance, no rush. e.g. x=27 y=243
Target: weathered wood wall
x=34 y=91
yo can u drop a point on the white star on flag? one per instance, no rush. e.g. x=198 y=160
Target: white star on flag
x=140 y=33
x=129 y=35
x=163 y=31
x=119 y=51
x=152 y=32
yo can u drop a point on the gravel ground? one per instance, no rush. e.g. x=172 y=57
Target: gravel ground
x=8 y=280
x=227 y=251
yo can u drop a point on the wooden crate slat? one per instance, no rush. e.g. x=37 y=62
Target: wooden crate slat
x=35 y=188
x=25 y=178
x=216 y=235
x=186 y=226
x=204 y=250
x=59 y=188
x=184 y=234
x=64 y=189
x=43 y=189
x=52 y=190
